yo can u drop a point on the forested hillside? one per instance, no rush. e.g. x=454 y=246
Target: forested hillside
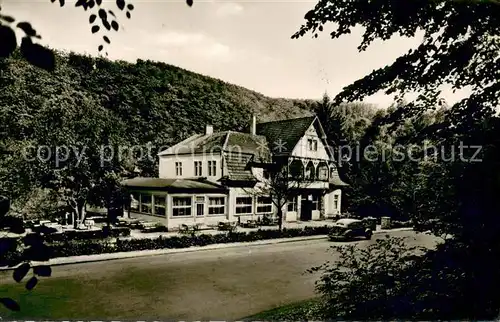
x=90 y=102
x=154 y=102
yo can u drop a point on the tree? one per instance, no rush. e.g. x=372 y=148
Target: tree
x=279 y=181
x=459 y=48
x=43 y=57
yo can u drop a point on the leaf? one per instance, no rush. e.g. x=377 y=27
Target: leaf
x=106 y=39
x=98 y=2
x=20 y=272
x=128 y=14
x=309 y=15
x=80 y=3
x=8 y=44
x=189 y=2
x=130 y=7
x=100 y=47
x=43 y=270
x=120 y=4
x=92 y=18
x=10 y=304
x=31 y=283
x=95 y=29
x=91 y=4
x=8 y=19
x=102 y=14
x=114 y=24
x=26 y=27
x=111 y=13
x=61 y=2
x=106 y=24
x=38 y=55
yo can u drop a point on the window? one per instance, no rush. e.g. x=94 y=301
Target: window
x=160 y=203
x=243 y=205
x=336 y=201
x=310 y=171
x=312 y=144
x=146 y=204
x=212 y=168
x=178 y=169
x=264 y=205
x=322 y=172
x=181 y=206
x=315 y=202
x=216 y=205
x=332 y=172
x=134 y=201
x=198 y=168
x=292 y=203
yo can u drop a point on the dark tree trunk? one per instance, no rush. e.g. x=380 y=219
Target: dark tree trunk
x=280 y=219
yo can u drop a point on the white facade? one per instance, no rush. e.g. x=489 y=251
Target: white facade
x=238 y=203
x=183 y=166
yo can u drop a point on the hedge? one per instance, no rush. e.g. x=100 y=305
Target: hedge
x=66 y=248
x=85 y=234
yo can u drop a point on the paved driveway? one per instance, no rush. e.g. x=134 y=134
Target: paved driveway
x=224 y=284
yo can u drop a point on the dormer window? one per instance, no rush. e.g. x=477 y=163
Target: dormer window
x=312 y=144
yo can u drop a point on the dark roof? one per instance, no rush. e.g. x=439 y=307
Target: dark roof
x=285 y=133
x=172 y=184
x=336 y=181
x=235 y=166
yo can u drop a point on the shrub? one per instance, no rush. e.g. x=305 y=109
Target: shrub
x=77 y=243
x=360 y=284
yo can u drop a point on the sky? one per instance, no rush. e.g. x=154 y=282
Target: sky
x=247 y=43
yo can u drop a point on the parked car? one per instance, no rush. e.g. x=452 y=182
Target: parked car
x=349 y=229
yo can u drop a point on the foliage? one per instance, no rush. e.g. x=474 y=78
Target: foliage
x=91 y=242
x=42 y=57
x=126 y=105
x=358 y=282
x=279 y=181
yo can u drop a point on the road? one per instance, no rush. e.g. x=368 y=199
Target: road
x=223 y=284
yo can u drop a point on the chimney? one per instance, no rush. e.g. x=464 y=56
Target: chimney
x=253 y=129
x=209 y=130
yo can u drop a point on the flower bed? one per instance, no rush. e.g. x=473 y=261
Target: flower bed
x=66 y=248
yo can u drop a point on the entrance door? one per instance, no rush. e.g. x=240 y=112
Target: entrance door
x=200 y=206
x=305 y=209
